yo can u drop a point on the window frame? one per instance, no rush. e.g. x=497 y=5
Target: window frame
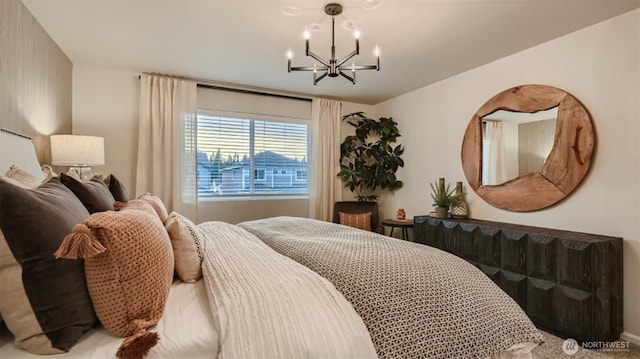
x=252 y=168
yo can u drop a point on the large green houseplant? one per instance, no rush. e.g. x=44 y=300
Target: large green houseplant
x=368 y=161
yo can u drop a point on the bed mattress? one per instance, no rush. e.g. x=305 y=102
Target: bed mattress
x=186 y=331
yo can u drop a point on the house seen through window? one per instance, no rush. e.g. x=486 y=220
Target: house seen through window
x=244 y=156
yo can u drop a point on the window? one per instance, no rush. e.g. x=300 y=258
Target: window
x=244 y=156
x=259 y=175
x=301 y=175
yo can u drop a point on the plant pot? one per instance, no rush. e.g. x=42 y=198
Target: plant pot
x=441 y=212
x=460 y=209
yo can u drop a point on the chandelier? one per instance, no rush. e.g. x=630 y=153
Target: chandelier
x=333 y=67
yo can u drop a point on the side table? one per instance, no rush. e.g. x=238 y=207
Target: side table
x=403 y=224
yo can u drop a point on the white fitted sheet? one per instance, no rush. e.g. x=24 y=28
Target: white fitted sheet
x=186 y=330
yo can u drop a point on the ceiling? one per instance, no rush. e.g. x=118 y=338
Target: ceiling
x=245 y=41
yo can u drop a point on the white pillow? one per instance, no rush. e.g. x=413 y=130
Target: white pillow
x=188 y=246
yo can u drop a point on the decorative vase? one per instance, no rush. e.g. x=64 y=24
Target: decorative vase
x=460 y=209
x=441 y=212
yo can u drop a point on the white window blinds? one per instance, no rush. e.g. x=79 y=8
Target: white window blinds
x=248 y=146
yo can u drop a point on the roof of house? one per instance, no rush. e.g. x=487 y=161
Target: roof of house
x=273 y=159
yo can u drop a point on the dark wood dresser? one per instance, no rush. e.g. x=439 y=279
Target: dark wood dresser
x=568 y=283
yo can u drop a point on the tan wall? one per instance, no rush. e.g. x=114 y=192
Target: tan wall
x=106 y=104
x=35 y=79
x=535 y=141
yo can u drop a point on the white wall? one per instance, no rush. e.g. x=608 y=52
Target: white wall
x=600 y=66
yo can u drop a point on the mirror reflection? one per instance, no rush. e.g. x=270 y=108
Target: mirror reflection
x=515 y=144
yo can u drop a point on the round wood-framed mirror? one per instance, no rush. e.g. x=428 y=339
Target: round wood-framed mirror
x=564 y=168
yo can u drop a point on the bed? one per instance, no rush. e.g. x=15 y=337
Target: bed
x=281 y=287
x=197 y=340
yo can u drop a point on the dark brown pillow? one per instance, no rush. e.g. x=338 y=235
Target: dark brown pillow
x=43 y=301
x=117 y=189
x=94 y=194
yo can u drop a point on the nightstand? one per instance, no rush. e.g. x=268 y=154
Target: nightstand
x=403 y=224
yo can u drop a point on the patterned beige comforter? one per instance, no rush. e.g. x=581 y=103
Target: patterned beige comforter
x=416 y=301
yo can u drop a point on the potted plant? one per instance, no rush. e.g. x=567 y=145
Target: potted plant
x=443 y=197
x=368 y=161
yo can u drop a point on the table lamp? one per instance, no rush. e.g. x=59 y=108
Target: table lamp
x=79 y=152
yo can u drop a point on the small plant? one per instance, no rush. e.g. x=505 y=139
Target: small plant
x=443 y=195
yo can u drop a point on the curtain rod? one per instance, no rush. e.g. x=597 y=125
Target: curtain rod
x=251 y=92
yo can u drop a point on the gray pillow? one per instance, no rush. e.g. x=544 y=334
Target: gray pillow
x=93 y=194
x=117 y=189
x=46 y=305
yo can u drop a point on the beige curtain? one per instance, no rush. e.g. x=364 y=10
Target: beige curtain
x=494 y=170
x=166 y=165
x=325 y=187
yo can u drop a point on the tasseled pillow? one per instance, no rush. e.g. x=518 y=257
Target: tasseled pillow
x=129 y=267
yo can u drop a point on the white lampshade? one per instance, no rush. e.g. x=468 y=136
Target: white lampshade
x=77 y=150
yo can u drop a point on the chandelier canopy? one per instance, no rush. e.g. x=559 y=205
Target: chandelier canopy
x=333 y=67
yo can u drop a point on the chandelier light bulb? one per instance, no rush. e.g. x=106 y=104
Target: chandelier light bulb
x=289 y=56
x=356 y=34
x=306 y=34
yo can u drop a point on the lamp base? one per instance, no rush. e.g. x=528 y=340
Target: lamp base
x=82 y=173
